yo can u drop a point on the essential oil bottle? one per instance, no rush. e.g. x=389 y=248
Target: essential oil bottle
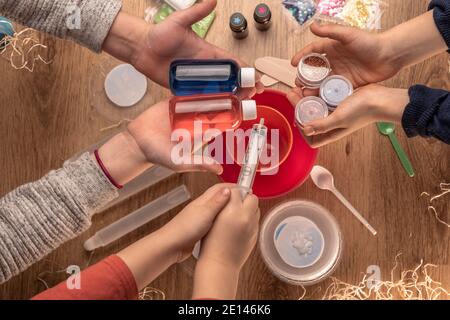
x=215 y=111
x=239 y=26
x=190 y=77
x=262 y=17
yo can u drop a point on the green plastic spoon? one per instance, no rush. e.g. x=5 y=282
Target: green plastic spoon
x=388 y=129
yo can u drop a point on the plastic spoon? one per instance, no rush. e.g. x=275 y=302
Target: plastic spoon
x=324 y=180
x=388 y=129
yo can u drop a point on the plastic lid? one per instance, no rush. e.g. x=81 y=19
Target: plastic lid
x=181 y=4
x=248 y=77
x=335 y=89
x=309 y=109
x=299 y=241
x=249 y=110
x=125 y=86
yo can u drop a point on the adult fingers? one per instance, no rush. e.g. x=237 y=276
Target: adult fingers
x=316 y=47
x=195 y=13
x=334 y=31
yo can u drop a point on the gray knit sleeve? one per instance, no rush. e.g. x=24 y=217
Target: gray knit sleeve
x=84 y=21
x=38 y=217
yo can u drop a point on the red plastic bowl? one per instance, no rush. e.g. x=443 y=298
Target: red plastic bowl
x=294 y=170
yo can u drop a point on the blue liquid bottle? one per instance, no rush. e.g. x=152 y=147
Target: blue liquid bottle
x=191 y=77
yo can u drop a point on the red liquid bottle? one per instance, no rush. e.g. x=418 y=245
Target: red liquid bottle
x=216 y=111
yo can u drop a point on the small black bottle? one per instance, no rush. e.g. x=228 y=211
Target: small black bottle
x=263 y=17
x=239 y=26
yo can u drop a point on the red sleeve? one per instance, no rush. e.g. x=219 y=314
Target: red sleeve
x=110 y=279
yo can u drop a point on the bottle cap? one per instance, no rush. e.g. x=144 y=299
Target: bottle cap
x=238 y=23
x=248 y=77
x=299 y=242
x=309 y=109
x=249 y=110
x=262 y=13
x=335 y=89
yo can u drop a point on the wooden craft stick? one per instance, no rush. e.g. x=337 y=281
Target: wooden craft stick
x=278 y=69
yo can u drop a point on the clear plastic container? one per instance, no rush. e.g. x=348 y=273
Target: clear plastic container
x=300 y=242
x=313 y=69
x=220 y=111
x=190 y=77
x=310 y=109
x=334 y=90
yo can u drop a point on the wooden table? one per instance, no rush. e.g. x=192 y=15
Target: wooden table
x=48 y=116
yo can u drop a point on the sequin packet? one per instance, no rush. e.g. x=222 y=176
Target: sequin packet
x=363 y=14
x=301 y=10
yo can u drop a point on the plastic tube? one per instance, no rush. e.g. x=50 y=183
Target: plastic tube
x=149 y=178
x=138 y=218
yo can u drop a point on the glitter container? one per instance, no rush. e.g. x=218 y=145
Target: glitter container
x=300 y=242
x=334 y=90
x=313 y=69
x=309 y=109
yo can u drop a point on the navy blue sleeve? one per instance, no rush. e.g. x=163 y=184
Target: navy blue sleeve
x=441 y=13
x=428 y=113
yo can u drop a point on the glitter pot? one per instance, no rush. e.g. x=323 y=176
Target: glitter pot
x=239 y=26
x=300 y=242
x=309 y=109
x=313 y=69
x=334 y=90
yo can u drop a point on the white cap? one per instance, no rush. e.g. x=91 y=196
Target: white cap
x=248 y=77
x=249 y=110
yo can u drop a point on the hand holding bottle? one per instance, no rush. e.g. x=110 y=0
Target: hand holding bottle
x=151 y=48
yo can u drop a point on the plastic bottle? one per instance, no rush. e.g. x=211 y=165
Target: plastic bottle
x=191 y=77
x=218 y=111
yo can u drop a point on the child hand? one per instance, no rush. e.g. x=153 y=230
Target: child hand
x=360 y=56
x=234 y=234
x=369 y=104
x=196 y=219
x=152 y=133
x=226 y=248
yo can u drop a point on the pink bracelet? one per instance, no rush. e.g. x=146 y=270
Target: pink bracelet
x=102 y=166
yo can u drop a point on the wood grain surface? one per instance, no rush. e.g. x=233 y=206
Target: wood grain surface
x=51 y=114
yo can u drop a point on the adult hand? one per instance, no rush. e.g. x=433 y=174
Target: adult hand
x=151 y=48
x=361 y=56
x=369 y=104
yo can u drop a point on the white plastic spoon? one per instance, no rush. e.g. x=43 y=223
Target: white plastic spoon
x=324 y=180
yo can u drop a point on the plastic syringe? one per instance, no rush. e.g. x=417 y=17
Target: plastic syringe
x=258 y=139
x=138 y=218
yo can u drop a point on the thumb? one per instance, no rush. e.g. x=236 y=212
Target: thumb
x=334 y=31
x=321 y=126
x=195 y=13
x=200 y=163
x=217 y=202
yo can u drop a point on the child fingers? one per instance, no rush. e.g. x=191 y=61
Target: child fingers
x=325 y=125
x=327 y=138
x=316 y=47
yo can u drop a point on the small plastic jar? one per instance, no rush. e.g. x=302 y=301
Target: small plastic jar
x=313 y=69
x=309 y=109
x=334 y=90
x=300 y=242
